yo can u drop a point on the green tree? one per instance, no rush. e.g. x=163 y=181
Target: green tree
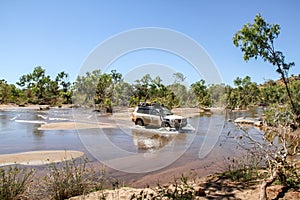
x=217 y=94
x=85 y=87
x=100 y=89
x=103 y=91
x=18 y=96
x=179 y=77
x=231 y=97
x=247 y=92
x=5 y=92
x=181 y=93
x=199 y=88
x=64 y=85
x=148 y=89
x=295 y=88
x=116 y=76
x=37 y=83
x=257 y=40
x=141 y=88
x=41 y=89
x=273 y=93
x=122 y=93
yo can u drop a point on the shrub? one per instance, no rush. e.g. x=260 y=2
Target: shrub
x=72 y=178
x=14 y=181
x=179 y=190
x=245 y=168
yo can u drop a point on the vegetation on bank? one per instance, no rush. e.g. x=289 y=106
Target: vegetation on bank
x=62 y=181
x=107 y=90
x=77 y=177
x=257 y=40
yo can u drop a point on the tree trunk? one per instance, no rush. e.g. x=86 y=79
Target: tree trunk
x=295 y=111
x=266 y=183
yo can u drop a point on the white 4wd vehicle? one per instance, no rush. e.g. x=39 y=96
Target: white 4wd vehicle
x=157 y=115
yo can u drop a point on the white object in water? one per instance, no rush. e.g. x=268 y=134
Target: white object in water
x=31 y=121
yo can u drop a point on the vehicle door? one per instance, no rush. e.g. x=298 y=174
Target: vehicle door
x=146 y=116
x=155 y=117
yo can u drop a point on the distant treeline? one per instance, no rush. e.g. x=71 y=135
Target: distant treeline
x=109 y=89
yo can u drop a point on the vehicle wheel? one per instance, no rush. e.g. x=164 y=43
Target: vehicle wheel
x=139 y=122
x=165 y=124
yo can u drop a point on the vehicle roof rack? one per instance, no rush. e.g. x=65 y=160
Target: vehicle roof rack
x=146 y=104
x=143 y=104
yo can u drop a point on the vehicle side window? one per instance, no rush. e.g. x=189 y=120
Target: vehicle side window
x=143 y=110
x=140 y=110
x=154 y=112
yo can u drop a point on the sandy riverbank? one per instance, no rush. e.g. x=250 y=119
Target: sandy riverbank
x=210 y=187
x=29 y=106
x=39 y=157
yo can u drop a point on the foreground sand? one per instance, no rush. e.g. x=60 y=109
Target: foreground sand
x=210 y=187
x=39 y=157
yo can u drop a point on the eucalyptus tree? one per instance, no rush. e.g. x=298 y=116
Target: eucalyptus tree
x=153 y=90
x=104 y=90
x=96 y=89
x=179 y=77
x=295 y=88
x=231 y=97
x=122 y=93
x=181 y=93
x=36 y=82
x=200 y=89
x=257 y=40
x=217 y=94
x=247 y=92
x=273 y=93
x=17 y=95
x=178 y=88
x=85 y=87
x=40 y=88
x=141 y=89
x=116 y=76
x=5 y=92
x=64 y=86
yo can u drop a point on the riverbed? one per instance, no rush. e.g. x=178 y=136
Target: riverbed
x=138 y=156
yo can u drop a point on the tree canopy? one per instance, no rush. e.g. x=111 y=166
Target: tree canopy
x=258 y=40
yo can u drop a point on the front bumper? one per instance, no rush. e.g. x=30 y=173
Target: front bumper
x=178 y=123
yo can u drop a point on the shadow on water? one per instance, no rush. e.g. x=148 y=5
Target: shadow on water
x=152 y=140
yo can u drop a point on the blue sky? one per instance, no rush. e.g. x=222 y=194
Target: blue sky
x=60 y=35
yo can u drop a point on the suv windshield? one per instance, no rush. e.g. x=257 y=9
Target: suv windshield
x=167 y=112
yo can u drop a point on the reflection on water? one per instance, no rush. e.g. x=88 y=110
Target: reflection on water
x=150 y=140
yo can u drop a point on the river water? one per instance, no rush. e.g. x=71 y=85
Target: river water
x=135 y=154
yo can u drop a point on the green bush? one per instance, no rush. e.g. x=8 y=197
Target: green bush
x=72 y=178
x=244 y=168
x=277 y=115
x=14 y=181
